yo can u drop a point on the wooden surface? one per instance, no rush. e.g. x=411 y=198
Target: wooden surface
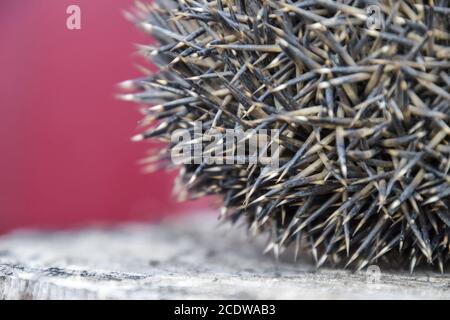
x=187 y=258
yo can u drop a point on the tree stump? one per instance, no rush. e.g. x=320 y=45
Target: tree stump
x=192 y=257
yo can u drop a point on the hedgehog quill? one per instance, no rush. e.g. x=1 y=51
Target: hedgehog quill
x=362 y=115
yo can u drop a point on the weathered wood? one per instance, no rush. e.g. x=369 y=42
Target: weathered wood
x=184 y=258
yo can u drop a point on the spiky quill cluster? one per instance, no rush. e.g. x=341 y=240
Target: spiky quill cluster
x=363 y=115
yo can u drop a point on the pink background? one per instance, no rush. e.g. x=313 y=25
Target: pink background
x=65 y=155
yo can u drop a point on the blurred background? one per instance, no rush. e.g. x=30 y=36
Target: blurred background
x=66 y=159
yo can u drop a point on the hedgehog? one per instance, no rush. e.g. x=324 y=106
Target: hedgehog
x=358 y=94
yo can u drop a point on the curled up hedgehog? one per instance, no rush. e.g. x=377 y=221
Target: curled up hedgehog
x=357 y=94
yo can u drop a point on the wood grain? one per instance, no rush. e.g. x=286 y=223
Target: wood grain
x=187 y=258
